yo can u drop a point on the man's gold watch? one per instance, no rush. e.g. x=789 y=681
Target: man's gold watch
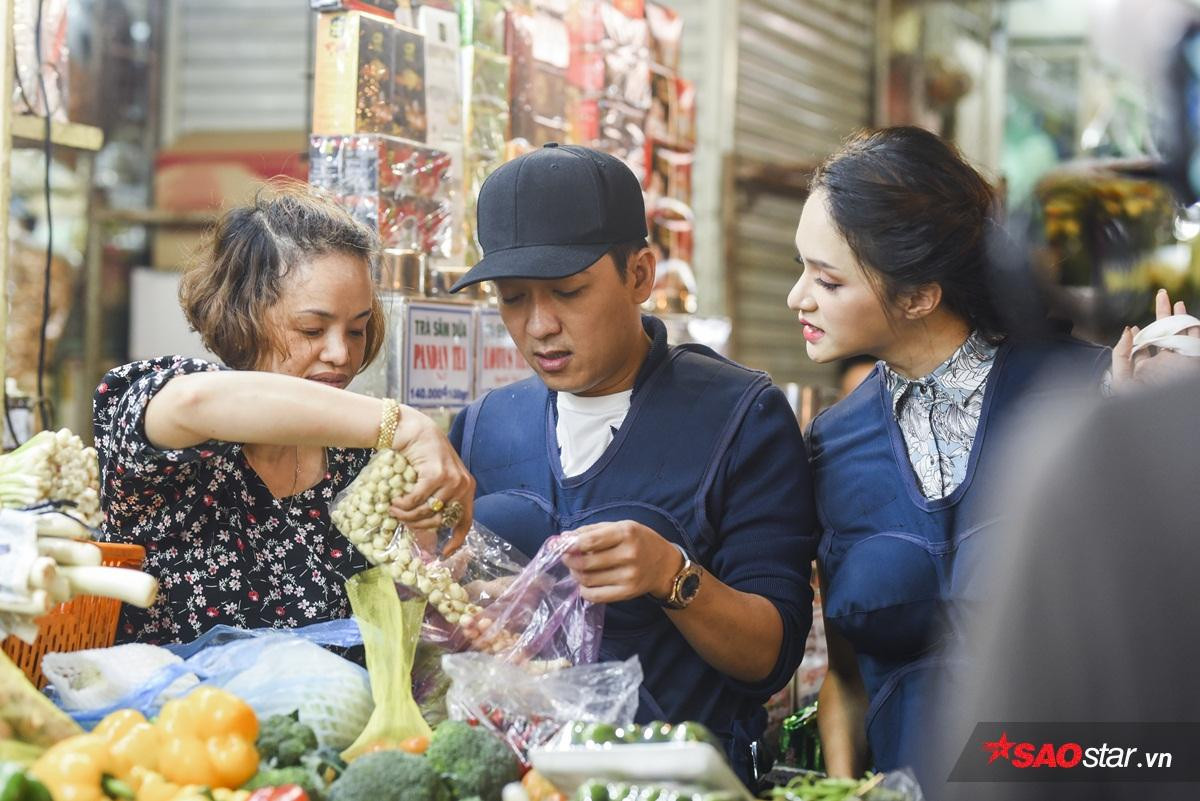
x=685 y=585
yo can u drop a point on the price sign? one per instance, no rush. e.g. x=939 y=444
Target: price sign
x=497 y=362
x=439 y=355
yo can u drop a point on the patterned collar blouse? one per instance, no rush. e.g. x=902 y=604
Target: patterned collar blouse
x=939 y=414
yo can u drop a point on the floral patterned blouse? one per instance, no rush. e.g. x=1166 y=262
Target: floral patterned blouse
x=939 y=414
x=224 y=549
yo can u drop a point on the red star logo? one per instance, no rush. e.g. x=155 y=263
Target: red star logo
x=1000 y=748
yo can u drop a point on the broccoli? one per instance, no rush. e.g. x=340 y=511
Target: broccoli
x=474 y=761
x=389 y=776
x=283 y=740
x=278 y=777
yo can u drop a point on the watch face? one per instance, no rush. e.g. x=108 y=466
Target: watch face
x=690 y=586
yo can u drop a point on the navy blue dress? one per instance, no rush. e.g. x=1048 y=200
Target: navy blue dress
x=901 y=568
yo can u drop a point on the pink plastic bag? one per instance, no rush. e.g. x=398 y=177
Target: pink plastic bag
x=538 y=618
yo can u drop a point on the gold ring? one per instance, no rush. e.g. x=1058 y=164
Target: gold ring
x=452 y=514
x=435 y=503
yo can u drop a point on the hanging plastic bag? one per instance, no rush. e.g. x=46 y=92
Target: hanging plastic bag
x=483 y=596
x=484 y=566
x=540 y=619
x=430 y=682
x=360 y=513
x=390 y=630
x=527 y=709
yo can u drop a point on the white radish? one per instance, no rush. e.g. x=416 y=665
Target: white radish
x=54 y=524
x=37 y=603
x=69 y=552
x=131 y=586
x=42 y=573
x=60 y=590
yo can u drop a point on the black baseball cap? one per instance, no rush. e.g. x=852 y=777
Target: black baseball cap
x=553 y=213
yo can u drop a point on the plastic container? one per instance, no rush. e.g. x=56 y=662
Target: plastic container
x=690 y=763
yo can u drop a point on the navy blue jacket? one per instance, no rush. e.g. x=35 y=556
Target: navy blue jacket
x=710 y=457
x=900 y=568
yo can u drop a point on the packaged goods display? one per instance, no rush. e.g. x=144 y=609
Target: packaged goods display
x=369 y=77
x=401 y=189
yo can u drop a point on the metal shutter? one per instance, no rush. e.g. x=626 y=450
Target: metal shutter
x=805 y=81
x=236 y=66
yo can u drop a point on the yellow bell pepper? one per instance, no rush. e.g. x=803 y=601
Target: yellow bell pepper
x=208 y=739
x=79 y=769
x=132 y=742
x=150 y=786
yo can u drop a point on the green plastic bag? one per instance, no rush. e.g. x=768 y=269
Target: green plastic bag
x=390 y=630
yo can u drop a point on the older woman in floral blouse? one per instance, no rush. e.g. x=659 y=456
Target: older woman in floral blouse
x=225 y=472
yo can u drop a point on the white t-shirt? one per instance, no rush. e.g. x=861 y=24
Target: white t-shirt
x=586 y=427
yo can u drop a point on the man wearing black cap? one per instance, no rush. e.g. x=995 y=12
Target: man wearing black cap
x=683 y=474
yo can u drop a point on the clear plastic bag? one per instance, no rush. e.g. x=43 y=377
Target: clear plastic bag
x=485 y=596
x=897 y=782
x=526 y=708
x=539 y=619
x=276 y=671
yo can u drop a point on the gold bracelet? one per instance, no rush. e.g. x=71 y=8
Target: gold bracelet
x=387 y=424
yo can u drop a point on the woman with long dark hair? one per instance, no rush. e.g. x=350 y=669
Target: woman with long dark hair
x=893 y=242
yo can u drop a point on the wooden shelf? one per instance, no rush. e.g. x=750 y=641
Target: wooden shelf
x=30 y=130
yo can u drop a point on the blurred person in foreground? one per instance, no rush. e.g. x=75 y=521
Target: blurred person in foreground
x=893 y=245
x=1095 y=600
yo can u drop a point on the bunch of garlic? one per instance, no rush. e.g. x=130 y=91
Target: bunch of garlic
x=362 y=515
x=52 y=466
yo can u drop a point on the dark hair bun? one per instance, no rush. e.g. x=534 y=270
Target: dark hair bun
x=914 y=211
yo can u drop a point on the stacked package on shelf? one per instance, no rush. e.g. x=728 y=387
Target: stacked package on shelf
x=400 y=188
x=540 y=50
x=609 y=77
x=370 y=77
x=380 y=116
x=439 y=22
